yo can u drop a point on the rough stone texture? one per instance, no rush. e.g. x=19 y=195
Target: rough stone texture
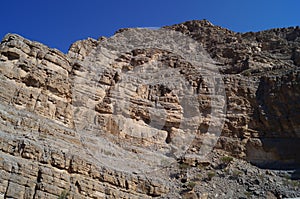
x=261 y=73
x=60 y=119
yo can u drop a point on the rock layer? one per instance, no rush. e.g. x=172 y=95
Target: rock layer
x=81 y=124
x=261 y=74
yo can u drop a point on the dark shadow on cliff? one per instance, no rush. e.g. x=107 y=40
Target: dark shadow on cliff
x=277 y=116
x=296 y=174
x=277 y=153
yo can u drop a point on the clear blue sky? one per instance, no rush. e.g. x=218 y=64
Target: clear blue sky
x=58 y=23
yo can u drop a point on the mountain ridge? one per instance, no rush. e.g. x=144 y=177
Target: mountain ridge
x=83 y=122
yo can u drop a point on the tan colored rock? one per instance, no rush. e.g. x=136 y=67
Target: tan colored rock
x=82 y=124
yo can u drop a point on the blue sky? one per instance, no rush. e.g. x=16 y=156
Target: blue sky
x=58 y=23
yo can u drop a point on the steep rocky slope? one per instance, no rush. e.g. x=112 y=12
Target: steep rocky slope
x=152 y=113
x=261 y=73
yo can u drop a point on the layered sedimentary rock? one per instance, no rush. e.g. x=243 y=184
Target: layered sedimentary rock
x=261 y=73
x=113 y=116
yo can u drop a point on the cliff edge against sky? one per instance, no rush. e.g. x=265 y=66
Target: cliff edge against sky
x=191 y=110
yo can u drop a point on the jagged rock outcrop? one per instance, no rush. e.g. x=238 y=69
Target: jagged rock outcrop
x=262 y=99
x=133 y=116
x=41 y=154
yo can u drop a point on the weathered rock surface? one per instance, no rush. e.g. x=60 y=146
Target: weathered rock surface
x=85 y=125
x=261 y=74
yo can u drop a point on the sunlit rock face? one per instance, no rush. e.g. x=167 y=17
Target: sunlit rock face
x=261 y=75
x=114 y=117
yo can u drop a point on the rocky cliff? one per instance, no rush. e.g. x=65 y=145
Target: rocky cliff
x=261 y=73
x=183 y=111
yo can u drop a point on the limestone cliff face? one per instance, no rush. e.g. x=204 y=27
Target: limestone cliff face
x=261 y=73
x=104 y=119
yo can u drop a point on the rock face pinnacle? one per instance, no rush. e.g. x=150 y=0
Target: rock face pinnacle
x=191 y=110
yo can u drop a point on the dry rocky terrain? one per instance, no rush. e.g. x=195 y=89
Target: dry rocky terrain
x=191 y=110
